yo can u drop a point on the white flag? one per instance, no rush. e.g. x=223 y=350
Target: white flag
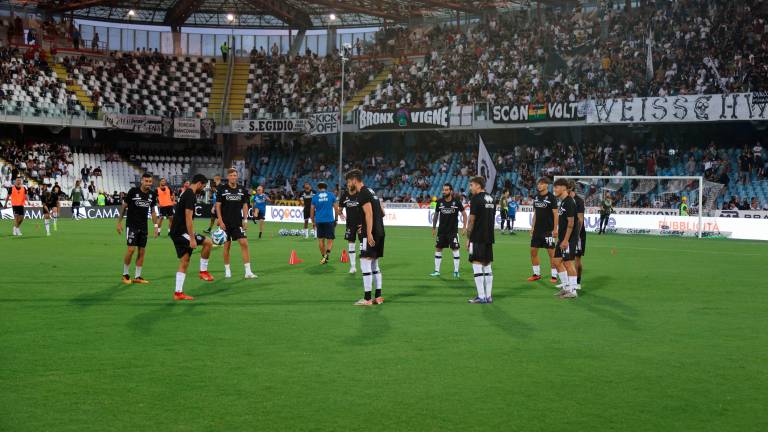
x=649 y=71
x=485 y=167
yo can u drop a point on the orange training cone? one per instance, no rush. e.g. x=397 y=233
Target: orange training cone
x=294 y=259
x=344 y=256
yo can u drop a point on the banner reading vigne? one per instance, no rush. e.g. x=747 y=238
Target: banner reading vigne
x=405 y=118
x=684 y=108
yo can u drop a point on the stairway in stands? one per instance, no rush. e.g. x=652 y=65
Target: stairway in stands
x=73 y=86
x=359 y=97
x=238 y=90
x=218 y=90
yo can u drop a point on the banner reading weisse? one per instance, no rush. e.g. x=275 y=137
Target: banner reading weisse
x=555 y=111
x=683 y=108
x=404 y=118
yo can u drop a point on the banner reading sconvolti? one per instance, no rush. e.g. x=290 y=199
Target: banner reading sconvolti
x=405 y=118
x=683 y=108
x=527 y=113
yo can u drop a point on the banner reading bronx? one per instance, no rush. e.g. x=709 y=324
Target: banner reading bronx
x=556 y=111
x=684 y=108
x=405 y=119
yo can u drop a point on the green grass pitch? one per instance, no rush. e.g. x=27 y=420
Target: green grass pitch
x=668 y=335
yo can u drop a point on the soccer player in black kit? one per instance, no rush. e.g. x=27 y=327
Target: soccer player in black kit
x=306 y=198
x=232 y=213
x=543 y=229
x=351 y=212
x=140 y=202
x=447 y=211
x=50 y=206
x=372 y=227
x=580 y=208
x=184 y=238
x=482 y=218
x=567 y=240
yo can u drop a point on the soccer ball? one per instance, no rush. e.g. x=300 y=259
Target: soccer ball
x=219 y=237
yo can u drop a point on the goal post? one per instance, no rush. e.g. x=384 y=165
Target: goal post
x=662 y=193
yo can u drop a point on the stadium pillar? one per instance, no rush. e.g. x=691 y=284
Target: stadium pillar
x=331 y=40
x=176 y=36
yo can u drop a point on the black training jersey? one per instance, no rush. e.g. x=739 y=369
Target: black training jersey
x=306 y=196
x=545 y=220
x=580 y=209
x=186 y=201
x=351 y=208
x=139 y=205
x=368 y=196
x=567 y=209
x=448 y=216
x=232 y=200
x=482 y=206
x=50 y=200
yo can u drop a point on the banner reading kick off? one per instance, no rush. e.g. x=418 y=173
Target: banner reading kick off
x=683 y=108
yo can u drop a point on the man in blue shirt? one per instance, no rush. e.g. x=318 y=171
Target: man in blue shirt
x=512 y=205
x=324 y=213
x=259 y=203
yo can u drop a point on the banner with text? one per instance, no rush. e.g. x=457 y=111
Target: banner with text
x=189 y=128
x=687 y=108
x=143 y=124
x=556 y=111
x=404 y=118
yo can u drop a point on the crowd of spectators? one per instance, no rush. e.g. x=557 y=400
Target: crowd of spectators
x=35 y=159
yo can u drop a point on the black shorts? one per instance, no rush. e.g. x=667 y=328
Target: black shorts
x=543 y=241
x=166 y=211
x=569 y=253
x=447 y=241
x=582 y=246
x=504 y=214
x=372 y=252
x=136 y=237
x=326 y=230
x=235 y=232
x=18 y=210
x=307 y=213
x=261 y=216
x=182 y=244
x=75 y=203
x=481 y=252
x=352 y=232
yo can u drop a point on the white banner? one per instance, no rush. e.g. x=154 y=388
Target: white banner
x=746 y=214
x=684 y=108
x=186 y=128
x=485 y=167
x=269 y=126
x=737 y=228
x=323 y=123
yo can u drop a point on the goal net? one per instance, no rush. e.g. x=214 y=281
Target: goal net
x=663 y=196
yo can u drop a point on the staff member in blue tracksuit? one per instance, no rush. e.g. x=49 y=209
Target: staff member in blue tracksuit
x=324 y=214
x=259 y=202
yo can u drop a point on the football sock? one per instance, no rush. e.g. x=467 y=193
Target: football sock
x=351 y=252
x=578 y=280
x=564 y=278
x=54 y=222
x=376 y=276
x=365 y=266
x=479 y=279
x=203 y=264
x=438 y=260
x=537 y=270
x=248 y=268
x=137 y=270
x=180 y=281
x=456 y=260
x=227 y=269
x=572 y=283
x=126 y=269
x=488 y=274
x=260 y=233
x=554 y=273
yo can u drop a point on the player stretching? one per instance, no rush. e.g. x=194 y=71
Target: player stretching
x=184 y=238
x=306 y=198
x=372 y=226
x=260 y=201
x=582 y=244
x=512 y=205
x=567 y=240
x=350 y=206
x=447 y=210
x=543 y=229
x=18 y=198
x=324 y=213
x=140 y=202
x=50 y=207
x=482 y=218
x=76 y=196
x=165 y=202
x=232 y=211
x=215 y=183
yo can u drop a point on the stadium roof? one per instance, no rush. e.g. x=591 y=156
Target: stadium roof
x=273 y=13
